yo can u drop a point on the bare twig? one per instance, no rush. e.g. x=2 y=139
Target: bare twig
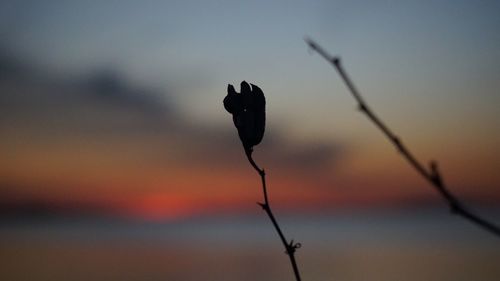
x=431 y=174
x=291 y=246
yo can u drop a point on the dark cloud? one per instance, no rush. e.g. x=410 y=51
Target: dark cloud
x=108 y=87
x=216 y=146
x=105 y=104
x=101 y=103
x=10 y=66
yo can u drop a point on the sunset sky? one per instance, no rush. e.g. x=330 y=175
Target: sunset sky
x=116 y=106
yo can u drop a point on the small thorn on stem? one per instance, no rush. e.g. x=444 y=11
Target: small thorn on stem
x=396 y=140
x=434 y=167
x=455 y=209
x=435 y=175
x=292 y=247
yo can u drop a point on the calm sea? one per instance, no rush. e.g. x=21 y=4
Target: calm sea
x=417 y=245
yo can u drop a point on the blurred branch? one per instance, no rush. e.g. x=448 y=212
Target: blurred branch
x=291 y=246
x=431 y=174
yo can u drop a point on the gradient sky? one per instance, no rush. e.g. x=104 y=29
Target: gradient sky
x=119 y=103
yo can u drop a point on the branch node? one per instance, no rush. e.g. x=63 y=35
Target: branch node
x=435 y=175
x=396 y=141
x=292 y=247
x=399 y=145
x=362 y=107
x=456 y=207
x=336 y=60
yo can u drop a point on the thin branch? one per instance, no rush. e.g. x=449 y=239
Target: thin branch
x=291 y=246
x=431 y=174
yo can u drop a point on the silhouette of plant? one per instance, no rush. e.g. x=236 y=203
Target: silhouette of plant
x=249 y=116
x=431 y=174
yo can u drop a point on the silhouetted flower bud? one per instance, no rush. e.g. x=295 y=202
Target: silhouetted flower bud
x=249 y=113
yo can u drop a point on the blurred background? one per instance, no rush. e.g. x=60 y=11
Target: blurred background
x=119 y=162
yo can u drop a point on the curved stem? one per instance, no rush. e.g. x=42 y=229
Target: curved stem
x=291 y=246
x=431 y=174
